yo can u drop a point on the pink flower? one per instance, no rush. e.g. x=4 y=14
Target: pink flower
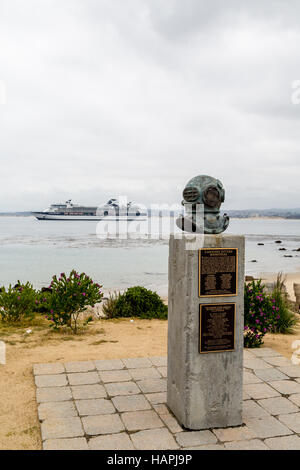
x=83 y=293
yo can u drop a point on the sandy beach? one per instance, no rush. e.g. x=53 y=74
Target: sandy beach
x=290 y=279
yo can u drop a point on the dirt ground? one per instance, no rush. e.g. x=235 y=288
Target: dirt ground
x=19 y=426
x=104 y=339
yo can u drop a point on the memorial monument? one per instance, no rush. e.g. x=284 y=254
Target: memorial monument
x=206 y=312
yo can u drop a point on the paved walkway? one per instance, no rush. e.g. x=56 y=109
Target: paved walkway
x=121 y=404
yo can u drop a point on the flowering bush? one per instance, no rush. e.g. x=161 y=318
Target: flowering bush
x=261 y=314
x=17 y=302
x=70 y=296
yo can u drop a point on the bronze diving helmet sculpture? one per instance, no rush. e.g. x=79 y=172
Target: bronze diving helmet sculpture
x=202 y=199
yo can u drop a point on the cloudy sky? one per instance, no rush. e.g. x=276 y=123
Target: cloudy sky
x=135 y=97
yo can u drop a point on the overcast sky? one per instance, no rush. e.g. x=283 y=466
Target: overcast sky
x=135 y=97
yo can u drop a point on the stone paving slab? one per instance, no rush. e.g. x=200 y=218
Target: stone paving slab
x=95 y=406
x=286 y=387
x=131 y=403
x=145 y=373
x=265 y=352
x=55 y=428
x=120 y=441
x=284 y=443
x=118 y=404
x=292 y=421
x=250 y=378
x=76 y=443
x=256 y=363
x=152 y=385
x=140 y=420
x=239 y=433
x=54 y=380
x=109 y=364
x=278 y=405
x=80 y=366
x=109 y=376
x=137 y=362
x=122 y=388
x=63 y=409
x=53 y=394
x=291 y=371
x=261 y=390
x=167 y=417
x=267 y=427
x=295 y=398
x=159 y=361
x=270 y=375
x=88 y=391
x=278 y=361
x=251 y=409
x=195 y=438
x=252 y=444
x=83 y=378
x=154 y=439
x=102 y=424
x=157 y=398
x=52 y=368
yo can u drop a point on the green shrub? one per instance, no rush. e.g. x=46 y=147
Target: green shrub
x=137 y=302
x=18 y=302
x=70 y=297
x=261 y=314
x=288 y=319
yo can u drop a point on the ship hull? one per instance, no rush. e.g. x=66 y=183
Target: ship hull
x=45 y=216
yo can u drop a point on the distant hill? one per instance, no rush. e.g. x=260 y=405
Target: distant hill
x=284 y=213
x=16 y=214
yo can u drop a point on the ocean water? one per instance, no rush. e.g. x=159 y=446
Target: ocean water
x=35 y=250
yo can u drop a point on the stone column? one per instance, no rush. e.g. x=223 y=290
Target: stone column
x=204 y=388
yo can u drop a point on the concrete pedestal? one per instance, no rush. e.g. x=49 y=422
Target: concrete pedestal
x=204 y=390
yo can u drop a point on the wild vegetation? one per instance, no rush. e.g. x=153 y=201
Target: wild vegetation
x=266 y=312
x=63 y=303
x=136 y=302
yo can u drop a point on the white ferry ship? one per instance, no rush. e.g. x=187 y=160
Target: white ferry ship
x=111 y=210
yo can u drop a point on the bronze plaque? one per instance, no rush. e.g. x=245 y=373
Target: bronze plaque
x=217 y=327
x=218 y=272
